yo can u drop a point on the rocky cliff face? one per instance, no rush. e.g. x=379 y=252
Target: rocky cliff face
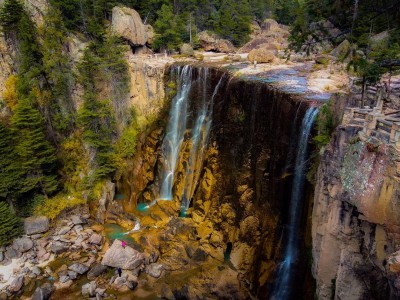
x=243 y=190
x=356 y=219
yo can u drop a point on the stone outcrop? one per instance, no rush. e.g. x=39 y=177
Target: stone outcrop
x=126 y=23
x=261 y=56
x=147 y=90
x=211 y=42
x=356 y=219
x=186 y=49
x=268 y=36
x=342 y=50
x=122 y=257
x=107 y=196
x=34 y=225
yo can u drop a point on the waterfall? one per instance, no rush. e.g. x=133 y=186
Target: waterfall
x=199 y=141
x=284 y=276
x=175 y=131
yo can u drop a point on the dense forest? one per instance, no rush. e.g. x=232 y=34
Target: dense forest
x=48 y=150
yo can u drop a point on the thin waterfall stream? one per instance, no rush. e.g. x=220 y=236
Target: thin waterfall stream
x=290 y=256
x=199 y=141
x=175 y=131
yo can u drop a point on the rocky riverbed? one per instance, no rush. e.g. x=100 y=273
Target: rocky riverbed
x=74 y=258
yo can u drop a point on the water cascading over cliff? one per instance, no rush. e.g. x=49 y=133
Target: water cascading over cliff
x=175 y=131
x=223 y=161
x=282 y=288
x=190 y=120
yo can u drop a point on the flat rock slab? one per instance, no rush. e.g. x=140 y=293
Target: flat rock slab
x=96 y=271
x=78 y=268
x=125 y=258
x=34 y=225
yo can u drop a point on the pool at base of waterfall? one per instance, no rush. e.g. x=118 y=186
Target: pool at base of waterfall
x=114 y=231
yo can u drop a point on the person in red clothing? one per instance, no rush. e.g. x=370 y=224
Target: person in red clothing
x=123 y=244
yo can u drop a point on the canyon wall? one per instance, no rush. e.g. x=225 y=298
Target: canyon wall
x=244 y=186
x=356 y=218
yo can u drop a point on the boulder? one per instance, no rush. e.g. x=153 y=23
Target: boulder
x=380 y=40
x=186 y=49
x=58 y=247
x=16 y=284
x=211 y=42
x=131 y=284
x=78 y=268
x=126 y=23
x=34 y=225
x=77 y=220
x=155 y=270
x=96 y=271
x=125 y=258
x=64 y=230
x=22 y=244
x=72 y=274
x=95 y=239
x=269 y=25
x=12 y=253
x=89 y=289
x=64 y=279
x=43 y=293
x=342 y=51
x=261 y=55
x=323 y=59
x=36 y=270
x=150 y=33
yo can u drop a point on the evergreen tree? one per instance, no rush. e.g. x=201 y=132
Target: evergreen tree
x=10 y=15
x=10 y=225
x=58 y=71
x=37 y=159
x=96 y=116
x=9 y=175
x=234 y=21
x=169 y=29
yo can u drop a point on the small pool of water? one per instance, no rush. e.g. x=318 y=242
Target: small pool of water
x=119 y=197
x=114 y=231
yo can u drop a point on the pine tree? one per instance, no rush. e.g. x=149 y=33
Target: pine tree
x=58 y=71
x=37 y=159
x=168 y=28
x=10 y=14
x=10 y=225
x=8 y=172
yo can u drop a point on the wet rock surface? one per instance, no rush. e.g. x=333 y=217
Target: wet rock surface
x=355 y=219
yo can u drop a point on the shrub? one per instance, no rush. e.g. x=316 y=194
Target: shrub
x=52 y=207
x=326 y=124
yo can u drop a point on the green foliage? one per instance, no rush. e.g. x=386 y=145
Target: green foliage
x=8 y=175
x=37 y=163
x=58 y=71
x=75 y=161
x=52 y=207
x=10 y=225
x=234 y=21
x=169 y=29
x=10 y=15
x=326 y=124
